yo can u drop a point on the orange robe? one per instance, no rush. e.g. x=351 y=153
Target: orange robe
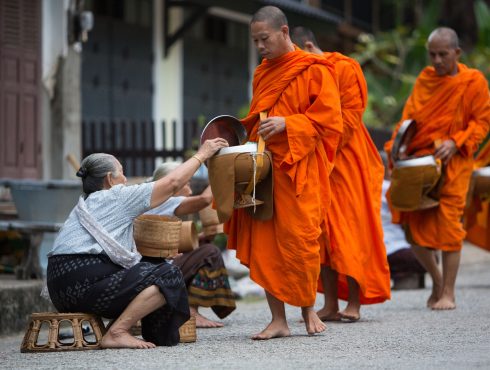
x=283 y=254
x=356 y=246
x=477 y=213
x=448 y=107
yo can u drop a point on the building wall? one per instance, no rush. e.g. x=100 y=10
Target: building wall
x=167 y=78
x=60 y=94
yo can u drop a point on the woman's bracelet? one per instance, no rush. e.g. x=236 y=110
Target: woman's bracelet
x=199 y=159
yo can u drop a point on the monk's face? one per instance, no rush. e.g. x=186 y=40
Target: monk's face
x=443 y=57
x=269 y=41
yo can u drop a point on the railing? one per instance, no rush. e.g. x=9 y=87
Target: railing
x=133 y=142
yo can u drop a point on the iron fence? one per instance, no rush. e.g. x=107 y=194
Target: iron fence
x=133 y=142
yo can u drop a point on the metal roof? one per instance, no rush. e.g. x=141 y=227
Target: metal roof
x=303 y=9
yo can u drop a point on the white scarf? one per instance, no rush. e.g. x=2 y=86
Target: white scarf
x=114 y=250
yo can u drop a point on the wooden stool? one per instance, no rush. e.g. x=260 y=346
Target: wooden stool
x=29 y=344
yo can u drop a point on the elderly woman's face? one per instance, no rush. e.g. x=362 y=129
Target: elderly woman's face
x=186 y=191
x=120 y=178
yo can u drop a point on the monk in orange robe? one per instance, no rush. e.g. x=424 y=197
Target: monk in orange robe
x=356 y=267
x=450 y=104
x=299 y=92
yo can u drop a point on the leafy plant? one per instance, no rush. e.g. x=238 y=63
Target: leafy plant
x=392 y=60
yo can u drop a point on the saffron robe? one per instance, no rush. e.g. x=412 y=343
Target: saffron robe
x=477 y=212
x=445 y=107
x=356 y=246
x=283 y=254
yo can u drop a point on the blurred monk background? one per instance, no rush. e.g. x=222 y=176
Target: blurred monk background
x=451 y=106
x=356 y=267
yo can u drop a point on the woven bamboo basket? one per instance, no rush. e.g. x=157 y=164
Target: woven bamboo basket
x=188 y=331
x=210 y=222
x=157 y=236
x=188 y=237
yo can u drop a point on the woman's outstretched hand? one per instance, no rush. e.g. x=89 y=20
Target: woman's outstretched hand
x=209 y=147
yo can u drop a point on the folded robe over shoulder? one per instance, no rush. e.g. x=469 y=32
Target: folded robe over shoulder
x=445 y=107
x=283 y=254
x=356 y=246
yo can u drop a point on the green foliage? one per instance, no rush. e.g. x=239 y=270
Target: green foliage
x=392 y=60
x=480 y=56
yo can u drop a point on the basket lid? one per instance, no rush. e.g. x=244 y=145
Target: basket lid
x=226 y=127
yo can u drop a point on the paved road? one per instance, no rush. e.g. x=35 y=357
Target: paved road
x=399 y=334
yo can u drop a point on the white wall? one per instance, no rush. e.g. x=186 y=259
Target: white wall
x=168 y=71
x=168 y=78
x=252 y=52
x=54 y=44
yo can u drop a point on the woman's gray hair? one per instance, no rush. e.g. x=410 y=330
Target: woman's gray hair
x=94 y=168
x=164 y=169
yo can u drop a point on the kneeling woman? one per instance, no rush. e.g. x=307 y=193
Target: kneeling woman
x=94 y=266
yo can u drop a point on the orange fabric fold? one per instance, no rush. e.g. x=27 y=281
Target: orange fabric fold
x=448 y=107
x=283 y=254
x=477 y=213
x=482 y=159
x=356 y=246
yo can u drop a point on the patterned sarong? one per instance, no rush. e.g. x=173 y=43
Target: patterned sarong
x=206 y=279
x=93 y=284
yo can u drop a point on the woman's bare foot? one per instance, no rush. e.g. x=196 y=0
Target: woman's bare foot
x=204 y=322
x=326 y=314
x=276 y=329
x=444 y=303
x=122 y=339
x=312 y=322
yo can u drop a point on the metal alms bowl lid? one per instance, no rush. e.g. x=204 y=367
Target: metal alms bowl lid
x=403 y=137
x=226 y=127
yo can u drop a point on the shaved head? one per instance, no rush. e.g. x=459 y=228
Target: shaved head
x=301 y=35
x=447 y=34
x=444 y=52
x=271 y=15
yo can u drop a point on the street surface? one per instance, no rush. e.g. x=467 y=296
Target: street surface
x=399 y=334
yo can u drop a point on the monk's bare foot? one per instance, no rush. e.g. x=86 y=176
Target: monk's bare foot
x=312 y=322
x=445 y=303
x=434 y=296
x=431 y=301
x=204 y=322
x=276 y=329
x=327 y=314
x=122 y=339
x=351 y=313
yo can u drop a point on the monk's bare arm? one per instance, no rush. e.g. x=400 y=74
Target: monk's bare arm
x=195 y=203
x=175 y=180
